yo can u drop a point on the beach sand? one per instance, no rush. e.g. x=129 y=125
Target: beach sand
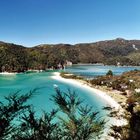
x=7 y=73
x=104 y=94
x=100 y=93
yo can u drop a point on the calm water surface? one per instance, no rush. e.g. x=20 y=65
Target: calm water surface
x=91 y=71
x=45 y=83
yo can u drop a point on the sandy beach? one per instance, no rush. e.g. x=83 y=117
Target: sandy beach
x=7 y=73
x=118 y=121
x=102 y=94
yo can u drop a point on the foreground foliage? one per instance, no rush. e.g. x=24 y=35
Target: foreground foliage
x=70 y=121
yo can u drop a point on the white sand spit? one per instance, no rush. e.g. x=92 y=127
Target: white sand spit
x=110 y=101
x=100 y=93
x=7 y=73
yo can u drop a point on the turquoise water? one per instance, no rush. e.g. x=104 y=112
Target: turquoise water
x=91 y=71
x=45 y=83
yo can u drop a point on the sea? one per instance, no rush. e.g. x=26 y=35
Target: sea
x=45 y=85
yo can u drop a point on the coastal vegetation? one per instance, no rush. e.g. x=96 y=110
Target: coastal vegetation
x=17 y=58
x=131 y=131
x=129 y=86
x=127 y=82
x=109 y=73
x=70 y=121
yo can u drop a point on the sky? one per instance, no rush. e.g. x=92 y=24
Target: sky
x=33 y=22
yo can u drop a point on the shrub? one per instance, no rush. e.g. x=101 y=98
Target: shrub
x=109 y=73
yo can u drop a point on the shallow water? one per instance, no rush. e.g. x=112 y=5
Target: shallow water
x=45 y=83
x=90 y=70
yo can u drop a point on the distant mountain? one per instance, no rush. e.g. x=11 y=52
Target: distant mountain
x=107 y=52
x=110 y=52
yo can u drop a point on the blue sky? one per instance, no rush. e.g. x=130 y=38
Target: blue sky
x=33 y=22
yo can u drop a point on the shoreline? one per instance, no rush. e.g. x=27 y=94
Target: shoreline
x=8 y=73
x=101 y=64
x=99 y=92
x=96 y=91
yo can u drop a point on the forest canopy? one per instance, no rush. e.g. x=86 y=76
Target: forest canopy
x=16 y=58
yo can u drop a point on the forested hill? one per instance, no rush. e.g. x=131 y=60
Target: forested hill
x=19 y=58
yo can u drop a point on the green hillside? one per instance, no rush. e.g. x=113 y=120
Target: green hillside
x=19 y=58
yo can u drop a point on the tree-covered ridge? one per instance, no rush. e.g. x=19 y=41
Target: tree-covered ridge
x=13 y=58
x=112 y=52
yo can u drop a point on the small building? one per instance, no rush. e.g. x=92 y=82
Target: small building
x=68 y=63
x=118 y=64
